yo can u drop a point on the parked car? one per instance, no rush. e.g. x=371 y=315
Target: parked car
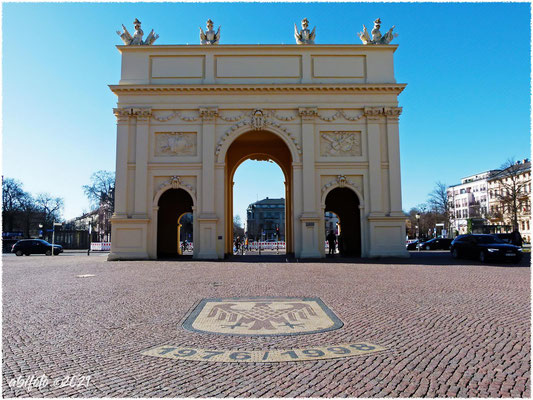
x=412 y=244
x=35 y=246
x=506 y=237
x=484 y=248
x=436 y=244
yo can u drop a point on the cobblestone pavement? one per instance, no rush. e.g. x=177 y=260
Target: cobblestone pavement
x=451 y=329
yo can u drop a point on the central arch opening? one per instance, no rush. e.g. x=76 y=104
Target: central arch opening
x=260 y=146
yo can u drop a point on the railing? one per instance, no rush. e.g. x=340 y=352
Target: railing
x=100 y=246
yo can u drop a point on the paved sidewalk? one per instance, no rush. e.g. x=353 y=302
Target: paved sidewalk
x=450 y=329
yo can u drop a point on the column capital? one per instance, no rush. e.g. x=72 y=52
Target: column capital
x=208 y=113
x=373 y=113
x=122 y=114
x=307 y=113
x=142 y=114
x=393 y=113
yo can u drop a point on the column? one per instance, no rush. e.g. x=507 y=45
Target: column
x=309 y=218
x=373 y=116
x=207 y=218
x=308 y=157
x=121 y=174
x=393 y=139
x=142 y=132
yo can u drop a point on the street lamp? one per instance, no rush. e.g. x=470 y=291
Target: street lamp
x=53 y=234
x=418 y=230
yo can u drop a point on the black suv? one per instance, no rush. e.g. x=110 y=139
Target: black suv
x=35 y=246
x=484 y=248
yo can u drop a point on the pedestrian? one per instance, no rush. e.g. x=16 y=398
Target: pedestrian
x=237 y=244
x=516 y=238
x=331 y=238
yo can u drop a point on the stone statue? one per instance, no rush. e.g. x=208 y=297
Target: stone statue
x=137 y=38
x=305 y=36
x=209 y=37
x=377 y=38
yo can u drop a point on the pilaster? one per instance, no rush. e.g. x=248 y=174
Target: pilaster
x=207 y=217
x=374 y=116
x=142 y=131
x=393 y=138
x=121 y=174
x=309 y=218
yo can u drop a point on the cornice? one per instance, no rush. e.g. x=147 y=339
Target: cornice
x=220 y=47
x=393 y=88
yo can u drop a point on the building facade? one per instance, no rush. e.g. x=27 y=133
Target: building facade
x=188 y=116
x=469 y=200
x=265 y=220
x=501 y=186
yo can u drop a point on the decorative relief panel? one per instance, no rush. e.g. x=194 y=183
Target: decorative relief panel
x=340 y=144
x=175 y=144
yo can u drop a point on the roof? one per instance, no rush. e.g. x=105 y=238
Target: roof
x=268 y=201
x=515 y=169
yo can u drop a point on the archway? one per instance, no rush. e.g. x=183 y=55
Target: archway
x=173 y=204
x=344 y=203
x=261 y=146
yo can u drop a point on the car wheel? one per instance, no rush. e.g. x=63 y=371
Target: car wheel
x=48 y=252
x=482 y=256
x=18 y=253
x=455 y=253
x=428 y=248
x=27 y=254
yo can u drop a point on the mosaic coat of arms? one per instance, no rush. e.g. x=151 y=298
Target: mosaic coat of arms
x=262 y=316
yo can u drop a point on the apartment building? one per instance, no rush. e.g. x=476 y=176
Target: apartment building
x=506 y=188
x=469 y=200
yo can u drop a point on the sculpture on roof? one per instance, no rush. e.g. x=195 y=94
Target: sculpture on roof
x=304 y=36
x=210 y=36
x=137 y=38
x=377 y=38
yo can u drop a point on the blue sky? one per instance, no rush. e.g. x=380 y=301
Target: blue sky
x=466 y=106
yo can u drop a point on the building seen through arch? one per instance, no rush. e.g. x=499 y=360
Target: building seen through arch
x=188 y=116
x=265 y=220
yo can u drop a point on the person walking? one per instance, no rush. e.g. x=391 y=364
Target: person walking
x=331 y=238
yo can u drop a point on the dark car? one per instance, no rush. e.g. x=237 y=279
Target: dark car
x=35 y=246
x=412 y=245
x=506 y=237
x=437 y=244
x=484 y=248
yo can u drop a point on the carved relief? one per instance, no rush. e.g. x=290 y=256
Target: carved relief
x=307 y=113
x=175 y=144
x=340 y=144
x=341 y=181
x=257 y=120
x=177 y=182
x=373 y=113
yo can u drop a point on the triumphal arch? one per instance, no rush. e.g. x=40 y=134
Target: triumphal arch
x=189 y=115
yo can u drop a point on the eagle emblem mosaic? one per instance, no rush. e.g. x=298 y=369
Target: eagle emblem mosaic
x=262 y=316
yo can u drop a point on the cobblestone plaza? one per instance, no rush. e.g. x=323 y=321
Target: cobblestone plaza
x=447 y=328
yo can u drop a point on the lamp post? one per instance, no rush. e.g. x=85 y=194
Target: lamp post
x=418 y=230
x=54 y=224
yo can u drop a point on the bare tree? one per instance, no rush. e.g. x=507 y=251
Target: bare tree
x=439 y=203
x=12 y=197
x=50 y=207
x=511 y=189
x=102 y=189
x=238 y=229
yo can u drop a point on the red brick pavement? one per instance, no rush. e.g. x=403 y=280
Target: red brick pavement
x=451 y=329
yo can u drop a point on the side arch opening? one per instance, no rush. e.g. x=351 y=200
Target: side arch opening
x=344 y=203
x=174 y=205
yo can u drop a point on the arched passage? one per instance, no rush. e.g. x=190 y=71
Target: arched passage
x=258 y=145
x=345 y=204
x=173 y=204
